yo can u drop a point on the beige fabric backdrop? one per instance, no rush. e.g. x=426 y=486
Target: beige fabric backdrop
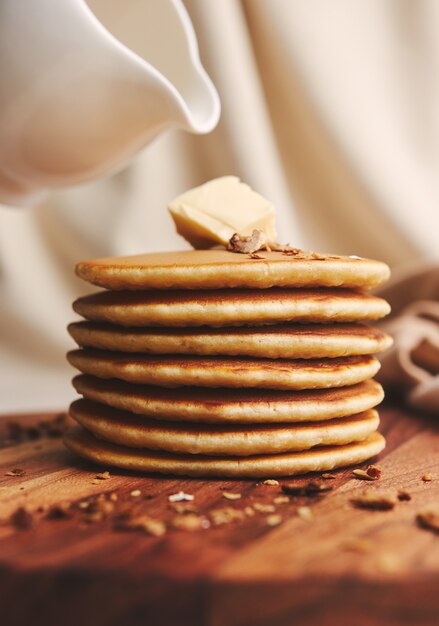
x=330 y=109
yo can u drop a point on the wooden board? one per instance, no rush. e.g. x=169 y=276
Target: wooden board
x=345 y=566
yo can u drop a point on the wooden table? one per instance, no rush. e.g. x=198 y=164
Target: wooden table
x=343 y=566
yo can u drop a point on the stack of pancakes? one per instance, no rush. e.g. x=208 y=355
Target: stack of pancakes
x=216 y=363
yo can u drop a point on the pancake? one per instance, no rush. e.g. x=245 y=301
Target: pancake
x=126 y=429
x=177 y=371
x=229 y=405
x=297 y=341
x=230 y=307
x=219 y=268
x=318 y=459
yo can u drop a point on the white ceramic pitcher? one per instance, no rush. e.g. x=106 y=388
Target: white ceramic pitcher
x=85 y=85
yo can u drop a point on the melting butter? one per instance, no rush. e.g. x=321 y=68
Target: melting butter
x=212 y=213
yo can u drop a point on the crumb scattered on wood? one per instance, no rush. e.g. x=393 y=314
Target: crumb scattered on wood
x=59 y=511
x=273 y=520
x=103 y=476
x=190 y=521
x=328 y=476
x=375 y=500
x=427 y=477
x=429 y=517
x=22 y=519
x=271 y=482
x=372 y=472
x=264 y=508
x=181 y=496
x=403 y=496
x=281 y=500
x=144 y=523
x=311 y=488
x=226 y=515
x=305 y=513
x=15 y=472
x=229 y=495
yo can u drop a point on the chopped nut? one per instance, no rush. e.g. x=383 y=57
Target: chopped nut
x=427 y=477
x=310 y=489
x=375 y=500
x=281 y=500
x=15 y=472
x=135 y=493
x=103 y=476
x=372 y=472
x=113 y=496
x=144 y=523
x=328 y=476
x=190 y=521
x=285 y=248
x=250 y=244
x=84 y=504
x=305 y=513
x=429 y=518
x=180 y=497
x=22 y=519
x=249 y=511
x=231 y=496
x=404 y=496
x=271 y=482
x=226 y=515
x=274 y=520
x=264 y=508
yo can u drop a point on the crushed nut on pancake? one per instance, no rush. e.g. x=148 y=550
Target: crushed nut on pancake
x=429 y=518
x=375 y=500
x=248 y=244
x=427 y=477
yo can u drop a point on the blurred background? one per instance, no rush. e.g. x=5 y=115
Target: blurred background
x=329 y=109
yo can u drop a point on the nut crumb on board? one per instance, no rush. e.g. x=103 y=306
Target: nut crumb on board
x=375 y=500
x=429 y=517
x=312 y=488
x=372 y=472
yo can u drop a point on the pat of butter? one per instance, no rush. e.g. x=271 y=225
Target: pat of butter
x=212 y=213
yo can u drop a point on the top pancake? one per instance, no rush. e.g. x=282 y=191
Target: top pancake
x=219 y=268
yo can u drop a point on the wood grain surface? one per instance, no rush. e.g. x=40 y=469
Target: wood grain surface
x=343 y=565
